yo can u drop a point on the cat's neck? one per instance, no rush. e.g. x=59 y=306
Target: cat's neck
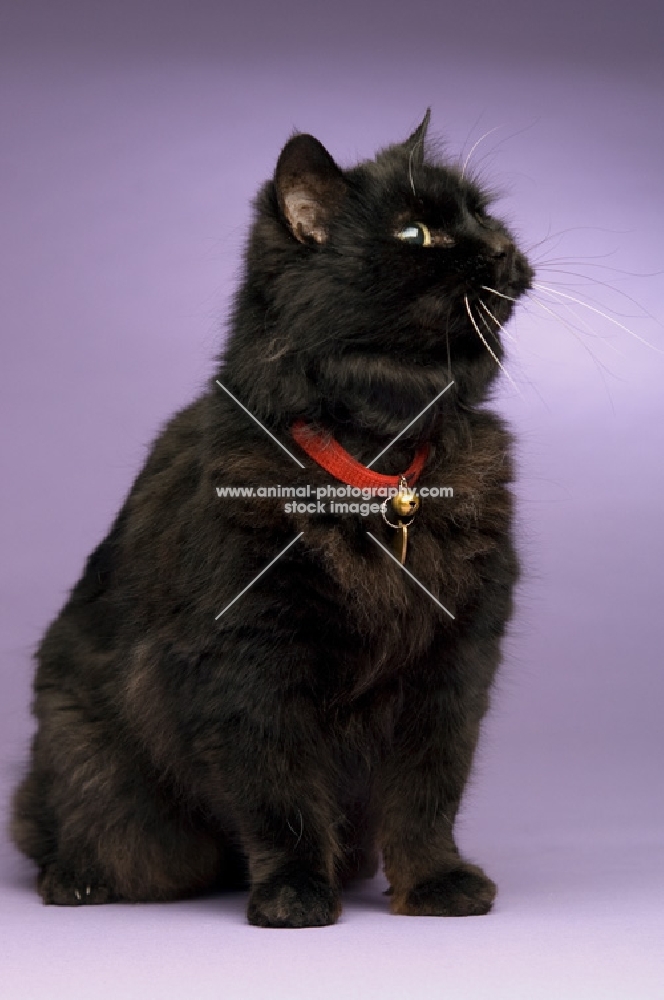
x=367 y=402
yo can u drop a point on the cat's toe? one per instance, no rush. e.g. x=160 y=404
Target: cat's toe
x=464 y=891
x=293 y=898
x=61 y=887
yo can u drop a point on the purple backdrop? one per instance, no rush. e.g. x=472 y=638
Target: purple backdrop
x=133 y=136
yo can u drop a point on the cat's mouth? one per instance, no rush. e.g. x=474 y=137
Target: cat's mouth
x=493 y=301
x=513 y=278
x=521 y=277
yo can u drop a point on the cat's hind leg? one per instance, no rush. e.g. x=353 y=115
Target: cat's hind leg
x=34 y=829
x=100 y=825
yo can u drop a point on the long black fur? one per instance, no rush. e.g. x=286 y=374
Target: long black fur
x=332 y=712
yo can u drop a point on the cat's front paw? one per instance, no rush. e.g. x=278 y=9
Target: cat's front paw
x=464 y=891
x=59 y=886
x=293 y=898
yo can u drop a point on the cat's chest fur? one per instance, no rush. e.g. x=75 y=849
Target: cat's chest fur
x=388 y=615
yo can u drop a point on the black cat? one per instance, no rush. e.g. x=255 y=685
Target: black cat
x=331 y=712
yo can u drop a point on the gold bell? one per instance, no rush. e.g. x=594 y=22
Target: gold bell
x=402 y=506
x=405 y=503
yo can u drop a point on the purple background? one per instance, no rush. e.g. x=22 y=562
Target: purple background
x=133 y=136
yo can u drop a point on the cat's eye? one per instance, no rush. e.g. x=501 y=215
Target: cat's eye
x=417 y=234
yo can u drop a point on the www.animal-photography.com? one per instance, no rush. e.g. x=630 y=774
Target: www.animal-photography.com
x=333 y=343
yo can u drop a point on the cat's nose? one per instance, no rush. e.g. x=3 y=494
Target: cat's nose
x=502 y=250
x=501 y=247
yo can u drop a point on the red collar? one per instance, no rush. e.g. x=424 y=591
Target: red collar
x=329 y=454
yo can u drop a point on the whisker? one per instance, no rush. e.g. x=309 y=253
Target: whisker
x=574 y=330
x=528 y=249
x=580 y=260
x=467 y=139
x=510 y=298
x=530 y=382
x=497 y=322
x=536 y=301
x=410 y=169
x=587 y=262
x=474 y=147
x=510 y=135
x=486 y=344
x=577 y=229
x=605 y=284
x=598 y=364
x=589 y=329
x=493 y=333
x=550 y=237
x=447 y=342
x=609 y=319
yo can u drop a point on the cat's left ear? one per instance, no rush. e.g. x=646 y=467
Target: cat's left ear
x=414 y=144
x=310 y=187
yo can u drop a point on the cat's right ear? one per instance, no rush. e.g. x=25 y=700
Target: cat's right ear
x=310 y=187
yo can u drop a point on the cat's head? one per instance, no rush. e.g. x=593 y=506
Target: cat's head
x=395 y=265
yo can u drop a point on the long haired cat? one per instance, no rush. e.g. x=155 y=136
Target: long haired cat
x=197 y=730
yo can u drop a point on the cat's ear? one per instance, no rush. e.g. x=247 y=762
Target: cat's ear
x=414 y=144
x=310 y=187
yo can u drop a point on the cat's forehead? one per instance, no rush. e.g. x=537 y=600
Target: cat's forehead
x=393 y=179
x=397 y=189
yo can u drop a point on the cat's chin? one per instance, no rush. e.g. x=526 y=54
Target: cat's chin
x=516 y=289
